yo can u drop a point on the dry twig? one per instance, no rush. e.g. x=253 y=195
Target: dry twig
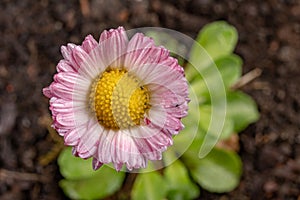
x=23 y=176
x=244 y=80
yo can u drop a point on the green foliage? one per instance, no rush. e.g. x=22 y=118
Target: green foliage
x=74 y=168
x=149 y=186
x=173 y=184
x=180 y=186
x=241 y=109
x=205 y=122
x=219 y=171
x=214 y=41
x=212 y=71
x=218 y=39
x=81 y=182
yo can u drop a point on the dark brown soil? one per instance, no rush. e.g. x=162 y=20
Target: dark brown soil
x=33 y=31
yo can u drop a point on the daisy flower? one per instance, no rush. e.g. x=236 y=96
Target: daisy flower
x=118 y=101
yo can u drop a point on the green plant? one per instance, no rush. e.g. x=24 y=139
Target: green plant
x=217 y=112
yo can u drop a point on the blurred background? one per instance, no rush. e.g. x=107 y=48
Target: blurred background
x=31 y=33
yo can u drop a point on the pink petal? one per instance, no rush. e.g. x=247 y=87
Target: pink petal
x=104 y=154
x=65 y=66
x=47 y=92
x=178 y=111
x=161 y=75
x=141 y=51
x=60 y=91
x=79 y=55
x=58 y=106
x=140 y=42
x=96 y=164
x=171 y=102
x=71 y=138
x=161 y=141
x=127 y=152
x=113 y=45
x=93 y=64
x=119 y=32
x=62 y=131
x=155 y=155
x=137 y=49
x=74 y=55
x=66 y=51
x=157 y=115
x=174 y=124
x=162 y=119
x=87 y=145
x=118 y=166
x=119 y=148
x=172 y=63
x=154 y=143
x=64 y=120
x=67 y=79
x=74 y=151
x=89 y=43
x=165 y=85
x=136 y=161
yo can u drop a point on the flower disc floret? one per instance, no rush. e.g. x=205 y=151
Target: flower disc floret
x=119 y=100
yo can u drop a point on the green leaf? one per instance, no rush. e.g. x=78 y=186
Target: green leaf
x=149 y=186
x=178 y=181
x=200 y=87
x=74 y=168
x=214 y=41
x=218 y=38
x=84 y=183
x=219 y=171
x=241 y=109
x=205 y=123
x=228 y=70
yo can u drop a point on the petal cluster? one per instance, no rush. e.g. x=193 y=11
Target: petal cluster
x=70 y=107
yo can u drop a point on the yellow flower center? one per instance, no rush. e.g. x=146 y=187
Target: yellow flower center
x=118 y=99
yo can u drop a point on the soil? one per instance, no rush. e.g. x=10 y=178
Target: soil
x=33 y=31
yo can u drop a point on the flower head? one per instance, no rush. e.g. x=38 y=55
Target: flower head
x=118 y=101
